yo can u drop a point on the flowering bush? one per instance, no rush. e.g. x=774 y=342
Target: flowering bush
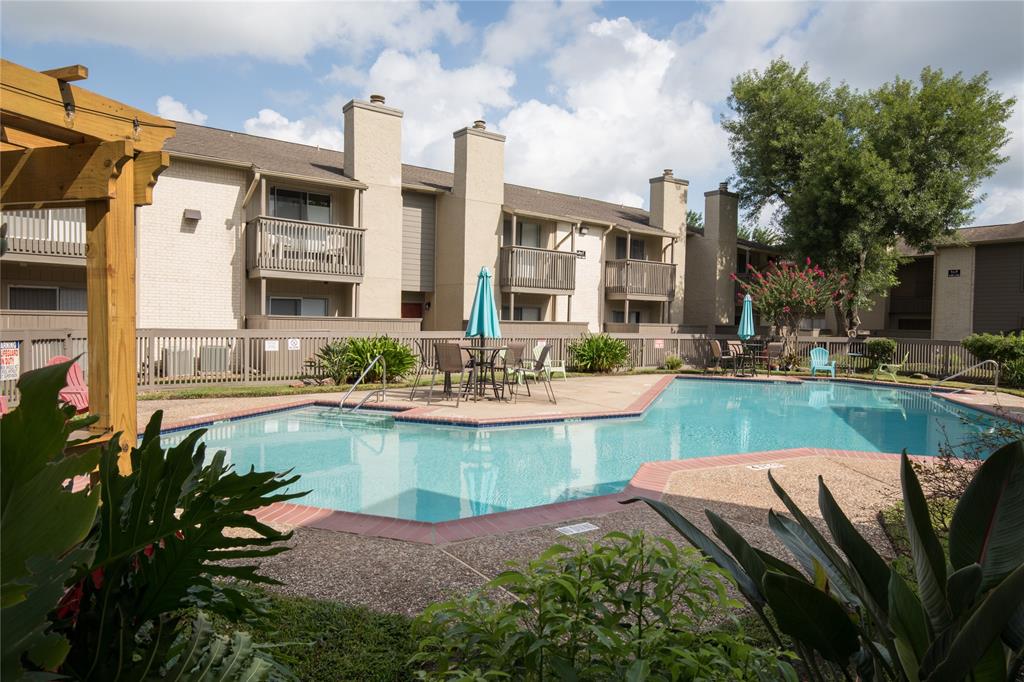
x=784 y=293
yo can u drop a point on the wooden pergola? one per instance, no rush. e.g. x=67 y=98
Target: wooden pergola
x=62 y=145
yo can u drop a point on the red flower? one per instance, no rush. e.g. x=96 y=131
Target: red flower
x=97 y=578
x=808 y=260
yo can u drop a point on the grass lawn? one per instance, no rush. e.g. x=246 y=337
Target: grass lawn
x=324 y=641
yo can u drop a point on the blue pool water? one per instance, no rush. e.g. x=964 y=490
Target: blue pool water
x=428 y=472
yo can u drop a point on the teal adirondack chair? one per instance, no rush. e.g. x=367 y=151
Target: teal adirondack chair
x=819 y=362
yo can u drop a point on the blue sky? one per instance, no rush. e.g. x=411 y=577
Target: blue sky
x=595 y=98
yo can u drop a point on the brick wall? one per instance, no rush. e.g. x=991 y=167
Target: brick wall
x=190 y=273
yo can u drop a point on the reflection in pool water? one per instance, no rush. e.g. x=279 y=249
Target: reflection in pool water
x=428 y=472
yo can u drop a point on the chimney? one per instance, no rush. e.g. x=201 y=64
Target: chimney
x=373 y=141
x=668 y=202
x=373 y=156
x=718 y=253
x=479 y=164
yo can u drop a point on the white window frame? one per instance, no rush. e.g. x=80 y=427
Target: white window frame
x=301 y=300
x=59 y=291
x=306 y=192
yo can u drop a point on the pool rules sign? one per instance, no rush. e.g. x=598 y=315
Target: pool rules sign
x=10 y=360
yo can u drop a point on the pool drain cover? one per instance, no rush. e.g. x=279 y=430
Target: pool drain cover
x=576 y=528
x=767 y=465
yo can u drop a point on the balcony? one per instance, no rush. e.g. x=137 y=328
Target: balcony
x=46 y=235
x=296 y=249
x=639 y=280
x=537 y=271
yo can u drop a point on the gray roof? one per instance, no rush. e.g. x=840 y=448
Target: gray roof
x=318 y=163
x=978 y=234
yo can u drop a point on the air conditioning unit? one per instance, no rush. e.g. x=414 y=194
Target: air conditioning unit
x=177 y=362
x=214 y=358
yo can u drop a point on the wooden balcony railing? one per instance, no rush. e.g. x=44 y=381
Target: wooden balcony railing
x=643 y=279
x=528 y=269
x=280 y=247
x=46 y=234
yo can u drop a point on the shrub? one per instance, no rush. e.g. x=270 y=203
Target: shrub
x=331 y=360
x=966 y=620
x=398 y=358
x=673 y=362
x=626 y=608
x=1007 y=350
x=104 y=596
x=880 y=350
x=599 y=353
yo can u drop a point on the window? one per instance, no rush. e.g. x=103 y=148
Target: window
x=637 y=249
x=46 y=298
x=300 y=307
x=522 y=313
x=619 y=316
x=299 y=205
x=528 y=234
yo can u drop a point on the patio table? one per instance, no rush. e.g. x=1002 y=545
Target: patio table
x=851 y=361
x=478 y=382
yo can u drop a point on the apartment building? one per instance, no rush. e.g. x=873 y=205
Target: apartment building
x=973 y=284
x=250 y=232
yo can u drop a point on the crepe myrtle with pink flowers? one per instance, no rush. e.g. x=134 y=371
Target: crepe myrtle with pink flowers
x=784 y=293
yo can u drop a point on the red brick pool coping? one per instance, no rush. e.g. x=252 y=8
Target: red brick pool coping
x=650 y=479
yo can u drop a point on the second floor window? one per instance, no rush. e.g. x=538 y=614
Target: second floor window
x=300 y=205
x=637 y=249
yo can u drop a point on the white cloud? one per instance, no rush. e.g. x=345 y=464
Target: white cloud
x=532 y=28
x=168 y=107
x=620 y=121
x=436 y=101
x=272 y=31
x=270 y=123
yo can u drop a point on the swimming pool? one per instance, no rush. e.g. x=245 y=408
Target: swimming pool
x=430 y=472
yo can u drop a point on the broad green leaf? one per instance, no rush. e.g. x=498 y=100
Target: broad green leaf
x=929 y=560
x=988 y=523
x=978 y=634
x=909 y=625
x=962 y=588
x=812 y=617
x=871 y=568
x=808 y=553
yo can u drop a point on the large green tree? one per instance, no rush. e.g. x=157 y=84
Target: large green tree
x=851 y=173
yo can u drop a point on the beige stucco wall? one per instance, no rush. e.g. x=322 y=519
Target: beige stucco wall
x=710 y=259
x=190 y=273
x=953 y=297
x=373 y=156
x=587 y=298
x=668 y=211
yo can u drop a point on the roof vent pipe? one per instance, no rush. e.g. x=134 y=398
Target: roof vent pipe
x=376 y=99
x=667 y=173
x=723 y=186
x=479 y=124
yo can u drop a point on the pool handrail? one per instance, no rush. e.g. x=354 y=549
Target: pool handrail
x=995 y=378
x=382 y=391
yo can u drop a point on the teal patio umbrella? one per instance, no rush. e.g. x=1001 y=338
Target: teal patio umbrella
x=483 y=317
x=746 y=329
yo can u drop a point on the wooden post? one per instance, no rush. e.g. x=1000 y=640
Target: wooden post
x=110 y=273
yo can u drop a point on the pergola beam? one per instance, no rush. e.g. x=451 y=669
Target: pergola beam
x=148 y=167
x=62 y=175
x=75 y=72
x=58 y=105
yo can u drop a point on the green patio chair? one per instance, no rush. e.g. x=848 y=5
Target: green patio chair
x=891 y=368
x=820 y=362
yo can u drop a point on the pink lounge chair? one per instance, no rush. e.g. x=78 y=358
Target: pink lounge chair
x=76 y=393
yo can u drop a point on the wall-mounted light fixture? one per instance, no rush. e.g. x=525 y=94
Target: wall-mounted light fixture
x=193 y=214
x=584 y=230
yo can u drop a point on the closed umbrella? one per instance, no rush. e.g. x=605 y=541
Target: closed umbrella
x=746 y=329
x=483 y=317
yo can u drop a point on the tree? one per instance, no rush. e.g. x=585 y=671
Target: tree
x=850 y=174
x=694 y=220
x=760 y=234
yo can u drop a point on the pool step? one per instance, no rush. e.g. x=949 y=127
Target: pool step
x=364 y=420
